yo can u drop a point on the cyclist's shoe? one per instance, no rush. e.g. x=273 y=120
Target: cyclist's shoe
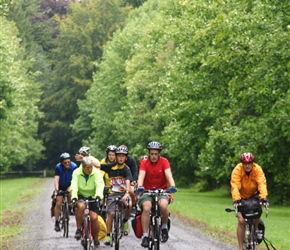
x=56 y=227
x=145 y=241
x=126 y=228
x=96 y=245
x=78 y=234
x=108 y=240
x=164 y=235
x=259 y=234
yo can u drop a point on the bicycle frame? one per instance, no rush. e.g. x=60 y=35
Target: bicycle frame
x=155 y=221
x=87 y=236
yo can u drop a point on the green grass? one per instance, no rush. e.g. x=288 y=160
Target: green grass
x=15 y=195
x=206 y=210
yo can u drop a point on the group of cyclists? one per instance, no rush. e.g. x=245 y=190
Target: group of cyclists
x=118 y=174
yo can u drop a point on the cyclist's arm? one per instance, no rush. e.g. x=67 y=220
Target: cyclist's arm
x=261 y=180
x=141 y=177
x=169 y=177
x=100 y=185
x=74 y=185
x=107 y=167
x=236 y=183
x=56 y=182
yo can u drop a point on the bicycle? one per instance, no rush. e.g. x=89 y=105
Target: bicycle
x=87 y=240
x=250 y=240
x=155 y=220
x=118 y=225
x=64 y=213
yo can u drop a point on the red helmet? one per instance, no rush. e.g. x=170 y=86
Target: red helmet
x=247 y=158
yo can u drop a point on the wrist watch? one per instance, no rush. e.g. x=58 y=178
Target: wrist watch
x=127 y=191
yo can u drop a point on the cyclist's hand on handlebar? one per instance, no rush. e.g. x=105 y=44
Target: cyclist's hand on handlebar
x=173 y=189
x=265 y=202
x=140 y=190
x=237 y=203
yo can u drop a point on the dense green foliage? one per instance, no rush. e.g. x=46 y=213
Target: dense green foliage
x=19 y=96
x=209 y=80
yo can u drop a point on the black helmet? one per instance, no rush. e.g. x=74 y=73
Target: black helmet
x=121 y=150
x=111 y=148
x=64 y=156
x=84 y=151
x=154 y=145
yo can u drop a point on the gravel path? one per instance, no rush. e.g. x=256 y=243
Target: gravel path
x=39 y=234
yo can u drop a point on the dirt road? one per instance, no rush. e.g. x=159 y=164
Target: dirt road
x=39 y=234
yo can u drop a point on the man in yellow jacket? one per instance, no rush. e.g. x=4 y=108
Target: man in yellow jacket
x=247 y=180
x=87 y=182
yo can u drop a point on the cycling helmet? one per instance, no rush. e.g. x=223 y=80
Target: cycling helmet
x=121 y=150
x=111 y=148
x=154 y=145
x=64 y=156
x=247 y=158
x=84 y=151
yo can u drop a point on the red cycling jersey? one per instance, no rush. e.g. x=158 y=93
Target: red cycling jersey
x=155 y=175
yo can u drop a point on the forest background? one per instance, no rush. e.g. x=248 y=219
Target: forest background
x=208 y=79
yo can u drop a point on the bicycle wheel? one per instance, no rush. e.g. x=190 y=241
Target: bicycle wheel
x=156 y=234
x=65 y=220
x=252 y=237
x=116 y=230
x=61 y=217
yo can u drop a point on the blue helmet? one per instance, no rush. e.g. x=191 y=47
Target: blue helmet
x=64 y=156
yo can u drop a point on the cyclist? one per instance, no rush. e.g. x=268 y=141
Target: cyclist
x=247 y=181
x=120 y=179
x=132 y=164
x=155 y=172
x=85 y=151
x=62 y=179
x=87 y=181
x=110 y=158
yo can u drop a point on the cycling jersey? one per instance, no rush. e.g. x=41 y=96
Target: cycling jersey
x=86 y=186
x=245 y=185
x=155 y=173
x=65 y=175
x=118 y=176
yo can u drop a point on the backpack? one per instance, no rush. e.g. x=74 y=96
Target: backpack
x=53 y=202
x=251 y=208
x=103 y=228
x=136 y=225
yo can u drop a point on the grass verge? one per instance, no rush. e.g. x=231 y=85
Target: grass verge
x=205 y=211
x=15 y=196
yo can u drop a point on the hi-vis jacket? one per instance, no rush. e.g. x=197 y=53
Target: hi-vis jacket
x=244 y=186
x=92 y=186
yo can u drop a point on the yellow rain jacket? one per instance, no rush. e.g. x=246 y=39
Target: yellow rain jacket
x=244 y=186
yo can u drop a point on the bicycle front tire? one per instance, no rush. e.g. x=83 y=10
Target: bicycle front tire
x=116 y=230
x=65 y=220
x=156 y=234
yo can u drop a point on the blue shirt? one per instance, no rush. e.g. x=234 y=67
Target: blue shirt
x=65 y=175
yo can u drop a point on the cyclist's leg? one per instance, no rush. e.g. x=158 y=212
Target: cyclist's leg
x=79 y=214
x=59 y=199
x=241 y=230
x=110 y=215
x=95 y=225
x=163 y=205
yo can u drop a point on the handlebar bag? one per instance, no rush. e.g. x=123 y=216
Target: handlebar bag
x=251 y=208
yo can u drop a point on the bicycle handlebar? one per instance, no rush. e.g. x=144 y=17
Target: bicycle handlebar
x=156 y=191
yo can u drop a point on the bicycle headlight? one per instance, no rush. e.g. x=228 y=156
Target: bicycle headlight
x=87 y=211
